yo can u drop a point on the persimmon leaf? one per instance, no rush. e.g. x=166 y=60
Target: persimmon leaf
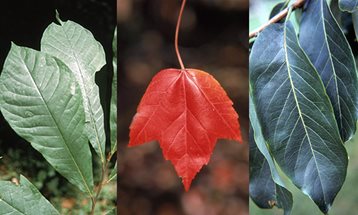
x=296 y=115
x=325 y=44
x=113 y=106
x=186 y=111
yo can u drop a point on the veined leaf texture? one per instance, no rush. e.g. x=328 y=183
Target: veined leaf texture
x=186 y=111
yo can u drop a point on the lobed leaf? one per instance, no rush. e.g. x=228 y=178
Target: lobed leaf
x=186 y=111
x=325 y=44
x=42 y=102
x=79 y=50
x=23 y=199
x=296 y=115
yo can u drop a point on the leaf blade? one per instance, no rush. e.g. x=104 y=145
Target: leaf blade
x=41 y=101
x=299 y=125
x=325 y=44
x=113 y=111
x=348 y=5
x=23 y=199
x=84 y=55
x=178 y=107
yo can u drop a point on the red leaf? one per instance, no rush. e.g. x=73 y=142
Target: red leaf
x=186 y=111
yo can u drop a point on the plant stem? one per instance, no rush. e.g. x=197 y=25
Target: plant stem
x=100 y=186
x=278 y=17
x=177 y=33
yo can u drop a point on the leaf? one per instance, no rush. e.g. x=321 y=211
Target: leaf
x=78 y=49
x=348 y=5
x=278 y=8
x=266 y=186
x=111 y=212
x=355 y=23
x=113 y=111
x=23 y=199
x=325 y=44
x=263 y=190
x=113 y=175
x=296 y=115
x=42 y=102
x=186 y=111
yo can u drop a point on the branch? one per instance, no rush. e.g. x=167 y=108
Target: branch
x=278 y=17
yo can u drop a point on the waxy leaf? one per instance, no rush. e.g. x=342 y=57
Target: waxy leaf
x=355 y=23
x=325 y=44
x=266 y=186
x=113 y=111
x=42 y=102
x=79 y=50
x=348 y=5
x=263 y=190
x=296 y=115
x=186 y=111
x=23 y=199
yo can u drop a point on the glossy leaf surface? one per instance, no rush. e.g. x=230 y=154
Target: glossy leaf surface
x=42 y=102
x=186 y=111
x=325 y=44
x=296 y=115
x=263 y=190
x=23 y=199
x=348 y=5
x=79 y=50
x=266 y=186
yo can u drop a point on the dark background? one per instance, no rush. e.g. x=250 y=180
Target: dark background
x=23 y=22
x=213 y=38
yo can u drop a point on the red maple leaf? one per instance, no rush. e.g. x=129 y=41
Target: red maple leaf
x=186 y=111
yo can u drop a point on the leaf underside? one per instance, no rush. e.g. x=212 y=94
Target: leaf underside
x=79 y=50
x=325 y=44
x=23 y=199
x=296 y=115
x=186 y=111
x=42 y=102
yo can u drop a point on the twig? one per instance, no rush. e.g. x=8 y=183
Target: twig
x=100 y=186
x=278 y=17
x=177 y=34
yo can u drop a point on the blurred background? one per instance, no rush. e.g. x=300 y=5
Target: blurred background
x=346 y=200
x=23 y=22
x=214 y=38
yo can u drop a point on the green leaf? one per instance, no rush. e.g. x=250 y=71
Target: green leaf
x=296 y=115
x=263 y=190
x=79 y=50
x=111 y=212
x=325 y=44
x=348 y=5
x=42 y=102
x=278 y=8
x=23 y=199
x=113 y=111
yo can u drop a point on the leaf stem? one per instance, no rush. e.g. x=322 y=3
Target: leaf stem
x=278 y=17
x=177 y=34
x=101 y=184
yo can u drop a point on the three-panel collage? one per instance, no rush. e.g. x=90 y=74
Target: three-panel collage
x=178 y=107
